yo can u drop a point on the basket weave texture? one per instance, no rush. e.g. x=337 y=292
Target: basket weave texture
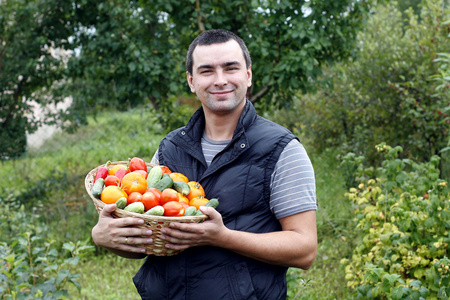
x=155 y=223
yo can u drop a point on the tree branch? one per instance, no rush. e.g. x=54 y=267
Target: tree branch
x=200 y=24
x=260 y=94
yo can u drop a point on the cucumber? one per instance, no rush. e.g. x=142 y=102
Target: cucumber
x=190 y=211
x=181 y=187
x=155 y=211
x=214 y=202
x=121 y=203
x=136 y=207
x=97 y=188
x=154 y=176
x=164 y=183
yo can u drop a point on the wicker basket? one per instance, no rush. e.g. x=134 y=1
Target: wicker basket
x=155 y=223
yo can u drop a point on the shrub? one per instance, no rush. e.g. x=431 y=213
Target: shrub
x=403 y=222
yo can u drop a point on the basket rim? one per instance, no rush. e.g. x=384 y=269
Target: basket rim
x=88 y=182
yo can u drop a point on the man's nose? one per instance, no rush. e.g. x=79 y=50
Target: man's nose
x=221 y=79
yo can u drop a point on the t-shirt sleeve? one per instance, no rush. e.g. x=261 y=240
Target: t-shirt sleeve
x=155 y=158
x=293 y=185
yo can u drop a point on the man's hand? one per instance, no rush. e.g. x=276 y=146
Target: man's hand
x=123 y=236
x=184 y=235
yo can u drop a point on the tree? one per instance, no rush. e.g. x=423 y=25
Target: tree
x=134 y=52
x=128 y=53
x=29 y=31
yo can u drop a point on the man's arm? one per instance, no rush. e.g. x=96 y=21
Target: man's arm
x=294 y=246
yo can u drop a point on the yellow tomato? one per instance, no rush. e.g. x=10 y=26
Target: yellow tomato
x=114 y=168
x=112 y=193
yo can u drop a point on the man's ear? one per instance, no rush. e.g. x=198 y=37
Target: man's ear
x=249 y=75
x=190 y=81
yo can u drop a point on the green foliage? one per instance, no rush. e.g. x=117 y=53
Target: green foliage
x=32 y=266
x=442 y=79
x=389 y=92
x=402 y=221
x=134 y=52
x=31 y=33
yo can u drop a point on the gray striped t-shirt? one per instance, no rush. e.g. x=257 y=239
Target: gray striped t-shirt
x=293 y=188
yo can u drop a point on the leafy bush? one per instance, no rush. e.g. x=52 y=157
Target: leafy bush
x=403 y=223
x=389 y=91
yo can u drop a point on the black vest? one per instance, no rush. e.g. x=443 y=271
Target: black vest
x=239 y=176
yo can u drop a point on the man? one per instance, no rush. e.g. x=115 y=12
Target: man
x=266 y=219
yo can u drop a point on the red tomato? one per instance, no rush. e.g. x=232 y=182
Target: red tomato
x=121 y=173
x=150 y=200
x=168 y=195
x=134 y=197
x=156 y=192
x=137 y=163
x=173 y=209
x=142 y=172
x=165 y=169
x=112 y=180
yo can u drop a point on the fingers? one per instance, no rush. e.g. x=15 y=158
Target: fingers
x=128 y=221
x=182 y=235
x=107 y=210
x=126 y=234
x=209 y=211
x=133 y=244
x=131 y=232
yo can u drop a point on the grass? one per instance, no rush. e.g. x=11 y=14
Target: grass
x=107 y=277
x=52 y=178
x=325 y=279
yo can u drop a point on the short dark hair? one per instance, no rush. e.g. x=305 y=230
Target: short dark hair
x=216 y=36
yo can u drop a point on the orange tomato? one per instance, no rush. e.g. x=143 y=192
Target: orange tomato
x=150 y=200
x=114 y=169
x=134 y=197
x=168 y=195
x=196 y=190
x=198 y=201
x=134 y=182
x=173 y=209
x=182 y=198
x=111 y=193
x=179 y=177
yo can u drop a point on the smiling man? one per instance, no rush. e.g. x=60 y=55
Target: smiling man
x=260 y=172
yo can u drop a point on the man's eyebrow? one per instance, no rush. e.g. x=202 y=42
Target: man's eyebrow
x=226 y=64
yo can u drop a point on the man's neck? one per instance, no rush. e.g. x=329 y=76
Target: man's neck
x=222 y=127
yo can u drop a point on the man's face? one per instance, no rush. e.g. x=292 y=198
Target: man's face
x=219 y=76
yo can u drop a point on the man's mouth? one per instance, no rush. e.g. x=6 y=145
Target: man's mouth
x=221 y=93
